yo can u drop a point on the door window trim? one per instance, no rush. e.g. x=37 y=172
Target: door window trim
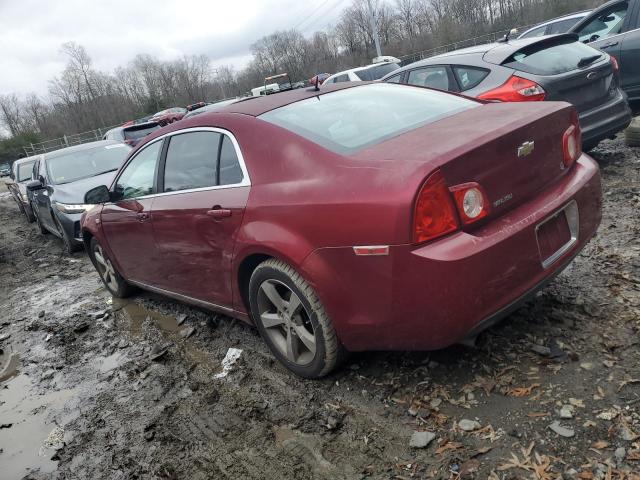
x=246 y=181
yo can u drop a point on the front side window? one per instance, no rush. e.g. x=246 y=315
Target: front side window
x=604 y=25
x=24 y=171
x=191 y=161
x=341 y=78
x=376 y=72
x=469 y=77
x=137 y=178
x=394 y=79
x=349 y=120
x=432 y=77
x=561 y=26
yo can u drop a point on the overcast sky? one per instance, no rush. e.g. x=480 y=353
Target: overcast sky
x=114 y=31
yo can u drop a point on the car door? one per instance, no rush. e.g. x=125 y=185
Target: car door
x=205 y=190
x=605 y=28
x=127 y=221
x=42 y=197
x=628 y=56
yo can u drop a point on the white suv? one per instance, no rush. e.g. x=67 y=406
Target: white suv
x=361 y=74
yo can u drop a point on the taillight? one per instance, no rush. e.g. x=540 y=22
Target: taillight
x=615 y=65
x=434 y=213
x=472 y=202
x=572 y=141
x=516 y=89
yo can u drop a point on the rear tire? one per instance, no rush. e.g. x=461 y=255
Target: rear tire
x=112 y=280
x=292 y=321
x=632 y=133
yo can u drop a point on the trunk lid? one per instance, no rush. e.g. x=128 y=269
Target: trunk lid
x=513 y=150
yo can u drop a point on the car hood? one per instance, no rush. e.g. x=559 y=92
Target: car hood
x=74 y=192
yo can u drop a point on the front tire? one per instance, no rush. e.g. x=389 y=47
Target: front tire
x=112 y=280
x=292 y=320
x=69 y=246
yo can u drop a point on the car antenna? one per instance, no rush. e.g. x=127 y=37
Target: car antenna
x=316 y=84
x=505 y=39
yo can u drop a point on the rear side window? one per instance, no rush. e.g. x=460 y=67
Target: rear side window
x=394 y=79
x=469 y=77
x=341 y=78
x=191 y=161
x=351 y=119
x=541 y=59
x=432 y=77
x=230 y=171
x=561 y=26
x=536 y=32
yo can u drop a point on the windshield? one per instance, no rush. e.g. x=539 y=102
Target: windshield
x=348 y=120
x=377 y=72
x=137 y=133
x=24 y=171
x=86 y=163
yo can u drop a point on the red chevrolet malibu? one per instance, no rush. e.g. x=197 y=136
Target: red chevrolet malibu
x=361 y=216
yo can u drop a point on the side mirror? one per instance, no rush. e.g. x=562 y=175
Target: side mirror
x=34 y=185
x=96 y=195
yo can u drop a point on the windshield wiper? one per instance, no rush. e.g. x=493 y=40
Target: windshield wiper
x=106 y=171
x=588 y=60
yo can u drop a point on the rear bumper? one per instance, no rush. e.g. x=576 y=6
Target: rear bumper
x=605 y=120
x=432 y=296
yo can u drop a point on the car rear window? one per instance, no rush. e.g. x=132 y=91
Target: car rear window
x=542 y=59
x=137 y=133
x=377 y=72
x=349 y=120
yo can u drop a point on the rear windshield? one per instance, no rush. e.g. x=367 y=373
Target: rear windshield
x=541 y=59
x=24 y=171
x=349 y=120
x=137 y=133
x=377 y=72
x=86 y=163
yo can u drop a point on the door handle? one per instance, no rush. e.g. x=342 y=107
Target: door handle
x=217 y=212
x=143 y=216
x=607 y=45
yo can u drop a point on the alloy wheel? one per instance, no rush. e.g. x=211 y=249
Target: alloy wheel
x=105 y=268
x=287 y=322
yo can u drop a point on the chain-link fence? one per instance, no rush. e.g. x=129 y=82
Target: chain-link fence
x=66 y=141
x=469 y=42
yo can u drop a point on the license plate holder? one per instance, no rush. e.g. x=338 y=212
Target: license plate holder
x=557 y=234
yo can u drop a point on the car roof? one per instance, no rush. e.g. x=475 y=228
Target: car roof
x=568 y=16
x=32 y=158
x=255 y=106
x=80 y=148
x=495 y=53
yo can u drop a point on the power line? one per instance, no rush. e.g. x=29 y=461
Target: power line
x=311 y=14
x=331 y=8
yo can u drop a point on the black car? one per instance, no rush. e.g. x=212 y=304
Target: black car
x=615 y=28
x=532 y=69
x=131 y=134
x=60 y=180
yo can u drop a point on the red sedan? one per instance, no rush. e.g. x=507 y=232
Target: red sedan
x=368 y=216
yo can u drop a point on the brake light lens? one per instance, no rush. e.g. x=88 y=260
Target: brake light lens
x=615 y=65
x=516 y=89
x=435 y=213
x=572 y=142
x=472 y=202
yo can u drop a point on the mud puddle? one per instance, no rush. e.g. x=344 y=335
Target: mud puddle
x=29 y=420
x=137 y=319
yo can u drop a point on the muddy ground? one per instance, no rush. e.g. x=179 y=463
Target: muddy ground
x=95 y=388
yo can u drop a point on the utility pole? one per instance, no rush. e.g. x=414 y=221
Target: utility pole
x=374 y=29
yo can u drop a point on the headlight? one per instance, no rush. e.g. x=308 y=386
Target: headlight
x=24 y=197
x=73 y=208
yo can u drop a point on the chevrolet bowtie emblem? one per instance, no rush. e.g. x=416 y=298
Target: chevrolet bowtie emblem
x=526 y=148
